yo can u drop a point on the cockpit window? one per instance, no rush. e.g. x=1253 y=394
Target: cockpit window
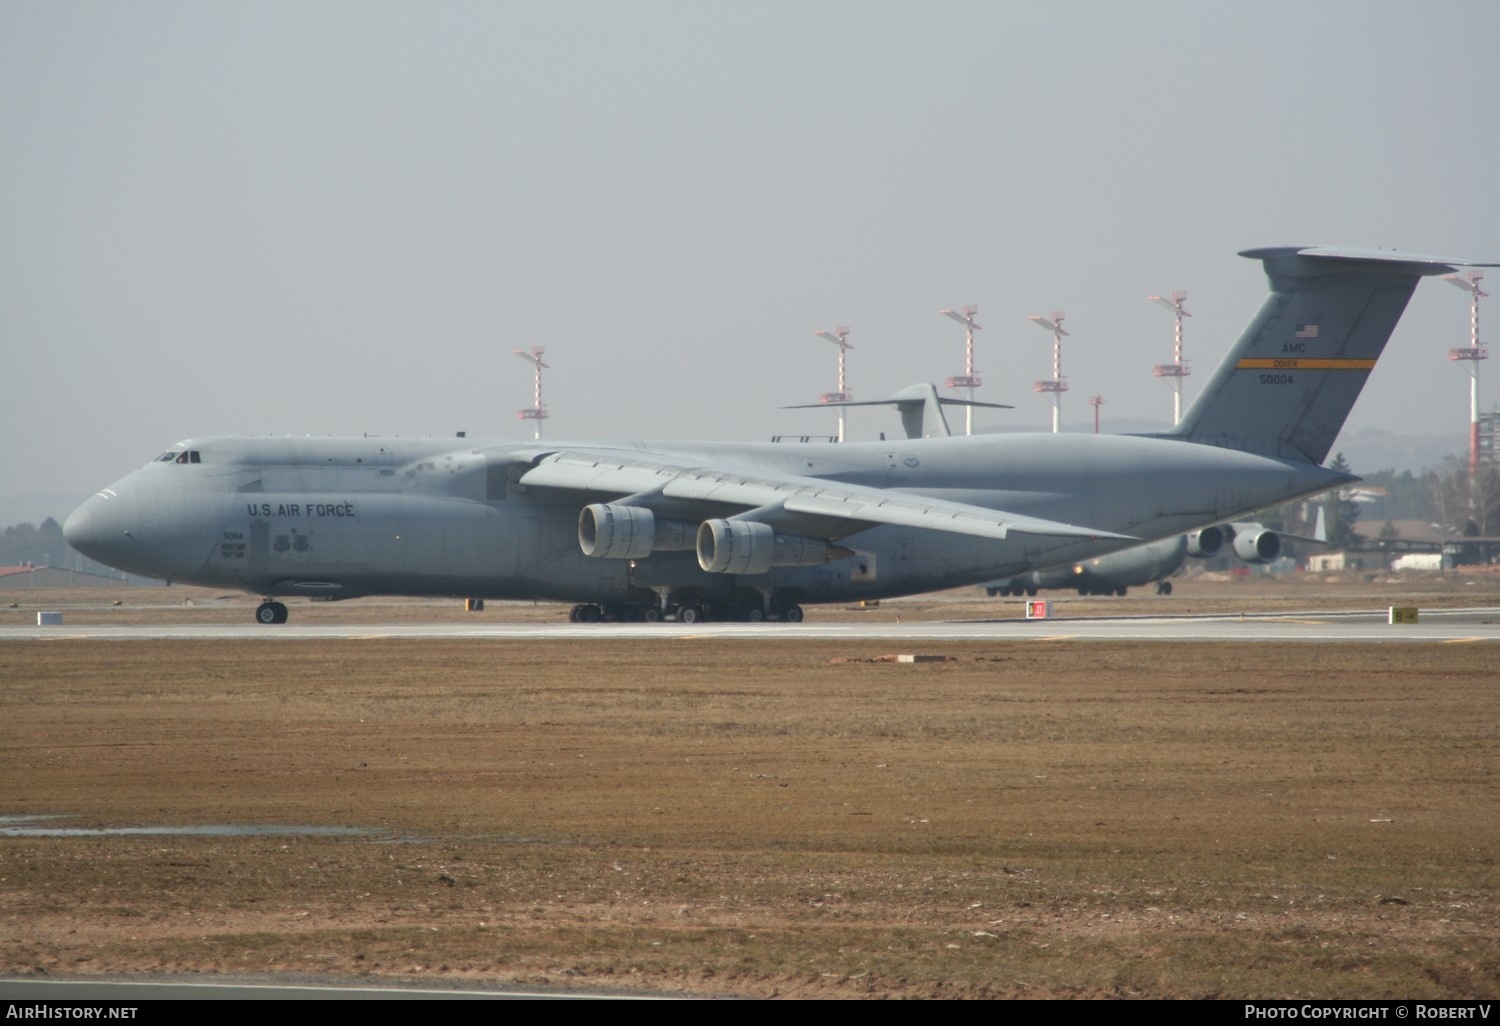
x=180 y=456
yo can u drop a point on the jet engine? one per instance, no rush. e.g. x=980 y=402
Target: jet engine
x=1260 y=546
x=1205 y=543
x=629 y=532
x=748 y=547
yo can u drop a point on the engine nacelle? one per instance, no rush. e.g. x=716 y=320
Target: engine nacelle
x=629 y=532
x=1205 y=543
x=748 y=547
x=735 y=546
x=1257 y=547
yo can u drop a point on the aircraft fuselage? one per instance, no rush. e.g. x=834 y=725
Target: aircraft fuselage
x=339 y=517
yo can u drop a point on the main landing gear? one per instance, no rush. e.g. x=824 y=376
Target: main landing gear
x=269 y=612
x=685 y=612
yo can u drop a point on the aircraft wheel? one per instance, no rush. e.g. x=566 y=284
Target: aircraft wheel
x=1121 y=590
x=793 y=614
x=1164 y=588
x=266 y=613
x=755 y=614
x=1030 y=592
x=588 y=614
x=689 y=614
x=573 y=614
x=992 y=592
x=650 y=615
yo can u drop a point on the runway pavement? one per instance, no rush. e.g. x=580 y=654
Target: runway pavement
x=1457 y=625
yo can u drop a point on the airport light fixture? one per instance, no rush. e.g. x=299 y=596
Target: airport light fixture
x=1096 y=400
x=839 y=336
x=1472 y=353
x=968 y=379
x=537 y=412
x=1176 y=370
x=1056 y=385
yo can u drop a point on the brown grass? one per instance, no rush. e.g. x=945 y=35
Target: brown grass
x=759 y=818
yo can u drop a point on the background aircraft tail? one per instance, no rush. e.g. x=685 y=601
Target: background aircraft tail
x=920 y=406
x=921 y=412
x=1289 y=382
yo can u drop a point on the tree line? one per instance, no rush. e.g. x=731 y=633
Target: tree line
x=38 y=544
x=1445 y=496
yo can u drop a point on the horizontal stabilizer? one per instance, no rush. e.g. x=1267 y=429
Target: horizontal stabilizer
x=1291 y=379
x=1426 y=262
x=920 y=406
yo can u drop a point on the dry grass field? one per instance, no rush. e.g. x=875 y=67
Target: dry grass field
x=762 y=818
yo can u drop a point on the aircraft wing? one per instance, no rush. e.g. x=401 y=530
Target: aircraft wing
x=783 y=500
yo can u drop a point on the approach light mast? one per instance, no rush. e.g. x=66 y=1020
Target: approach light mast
x=1176 y=370
x=839 y=336
x=1057 y=385
x=1473 y=353
x=536 y=413
x=968 y=379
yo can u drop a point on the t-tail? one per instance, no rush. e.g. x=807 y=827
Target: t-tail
x=920 y=406
x=1289 y=383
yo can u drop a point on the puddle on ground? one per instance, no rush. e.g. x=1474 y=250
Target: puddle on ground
x=46 y=826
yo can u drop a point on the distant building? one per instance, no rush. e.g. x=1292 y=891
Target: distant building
x=1418 y=535
x=1423 y=561
x=1327 y=562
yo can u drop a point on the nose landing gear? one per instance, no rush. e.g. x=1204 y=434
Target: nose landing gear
x=269 y=612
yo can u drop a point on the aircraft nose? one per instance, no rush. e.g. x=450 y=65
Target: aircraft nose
x=98 y=529
x=143 y=528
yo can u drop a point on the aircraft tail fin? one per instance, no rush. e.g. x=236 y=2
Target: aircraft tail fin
x=1289 y=382
x=921 y=412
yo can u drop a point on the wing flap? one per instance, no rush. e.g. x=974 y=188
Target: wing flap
x=604 y=474
x=906 y=509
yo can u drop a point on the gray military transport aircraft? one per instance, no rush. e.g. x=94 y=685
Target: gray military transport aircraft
x=643 y=530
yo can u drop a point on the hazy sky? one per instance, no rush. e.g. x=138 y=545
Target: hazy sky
x=342 y=217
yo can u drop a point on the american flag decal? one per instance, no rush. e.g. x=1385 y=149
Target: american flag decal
x=1307 y=330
